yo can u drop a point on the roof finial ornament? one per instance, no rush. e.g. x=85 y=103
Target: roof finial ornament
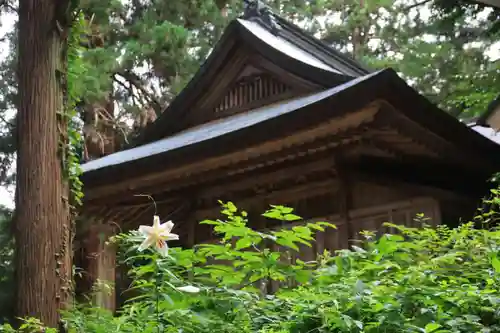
x=257 y=10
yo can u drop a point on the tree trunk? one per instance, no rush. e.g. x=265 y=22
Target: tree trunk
x=42 y=226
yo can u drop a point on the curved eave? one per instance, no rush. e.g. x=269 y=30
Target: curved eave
x=202 y=145
x=419 y=109
x=170 y=121
x=386 y=85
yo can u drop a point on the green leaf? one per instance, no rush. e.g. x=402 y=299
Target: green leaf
x=291 y=217
x=495 y=262
x=326 y=224
x=287 y=243
x=212 y=222
x=231 y=207
x=243 y=243
x=302 y=276
x=272 y=215
x=431 y=327
x=358 y=249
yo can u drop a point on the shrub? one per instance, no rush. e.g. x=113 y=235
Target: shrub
x=418 y=280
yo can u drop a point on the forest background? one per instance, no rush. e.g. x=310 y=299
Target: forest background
x=142 y=53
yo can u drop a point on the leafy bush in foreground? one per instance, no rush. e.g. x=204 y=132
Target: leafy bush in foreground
x=420 y=280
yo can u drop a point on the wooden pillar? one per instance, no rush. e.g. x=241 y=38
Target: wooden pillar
x=330 y=237
x=101 y=265
x=345 y=201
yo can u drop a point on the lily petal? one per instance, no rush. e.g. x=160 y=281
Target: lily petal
x=167 y=226
x=162 y=247
x=189 y=289
x=170 y=237
x=146 y=243
x=157 y=235
x=156 y=221
x=145 y=230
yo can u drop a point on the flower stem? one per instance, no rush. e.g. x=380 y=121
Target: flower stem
x=157 y=292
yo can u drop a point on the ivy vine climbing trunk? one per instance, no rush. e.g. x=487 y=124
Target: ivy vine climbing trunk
x=42 y=225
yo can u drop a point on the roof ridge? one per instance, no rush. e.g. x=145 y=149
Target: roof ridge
x=348 y=59
x=264 y=15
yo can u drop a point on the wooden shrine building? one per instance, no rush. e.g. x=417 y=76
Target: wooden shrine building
x=275 y=116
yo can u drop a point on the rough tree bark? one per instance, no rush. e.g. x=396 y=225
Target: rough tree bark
x=42 y=226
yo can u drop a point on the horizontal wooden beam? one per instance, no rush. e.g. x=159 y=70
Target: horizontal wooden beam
x=377 y=211
x=291 y=170
x=276 y=175
x=337 y=130
x=415 y=149
x=254 y=173
x=427 y=172
x=283 y=196
x=214 y=176
x=410 y=187
x=376 y=169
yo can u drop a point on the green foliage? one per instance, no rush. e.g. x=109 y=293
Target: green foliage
x=228 y=274
x=28 y=325
x=440 y=47
x=6 y=265
x=246 y=255
x=420 y=280
x=77 y=68
x=8 y=98
x=417 y=280
x=146 y=47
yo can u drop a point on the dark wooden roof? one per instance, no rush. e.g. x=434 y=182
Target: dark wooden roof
x=214 y=130
x=292 y=49
x=280 y=120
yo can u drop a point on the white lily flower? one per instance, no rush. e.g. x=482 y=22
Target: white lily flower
x=189 y=289
x=157 y=235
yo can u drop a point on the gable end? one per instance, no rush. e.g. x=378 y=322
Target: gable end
x=250 y=90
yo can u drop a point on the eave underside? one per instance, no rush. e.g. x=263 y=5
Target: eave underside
x=375 y=142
